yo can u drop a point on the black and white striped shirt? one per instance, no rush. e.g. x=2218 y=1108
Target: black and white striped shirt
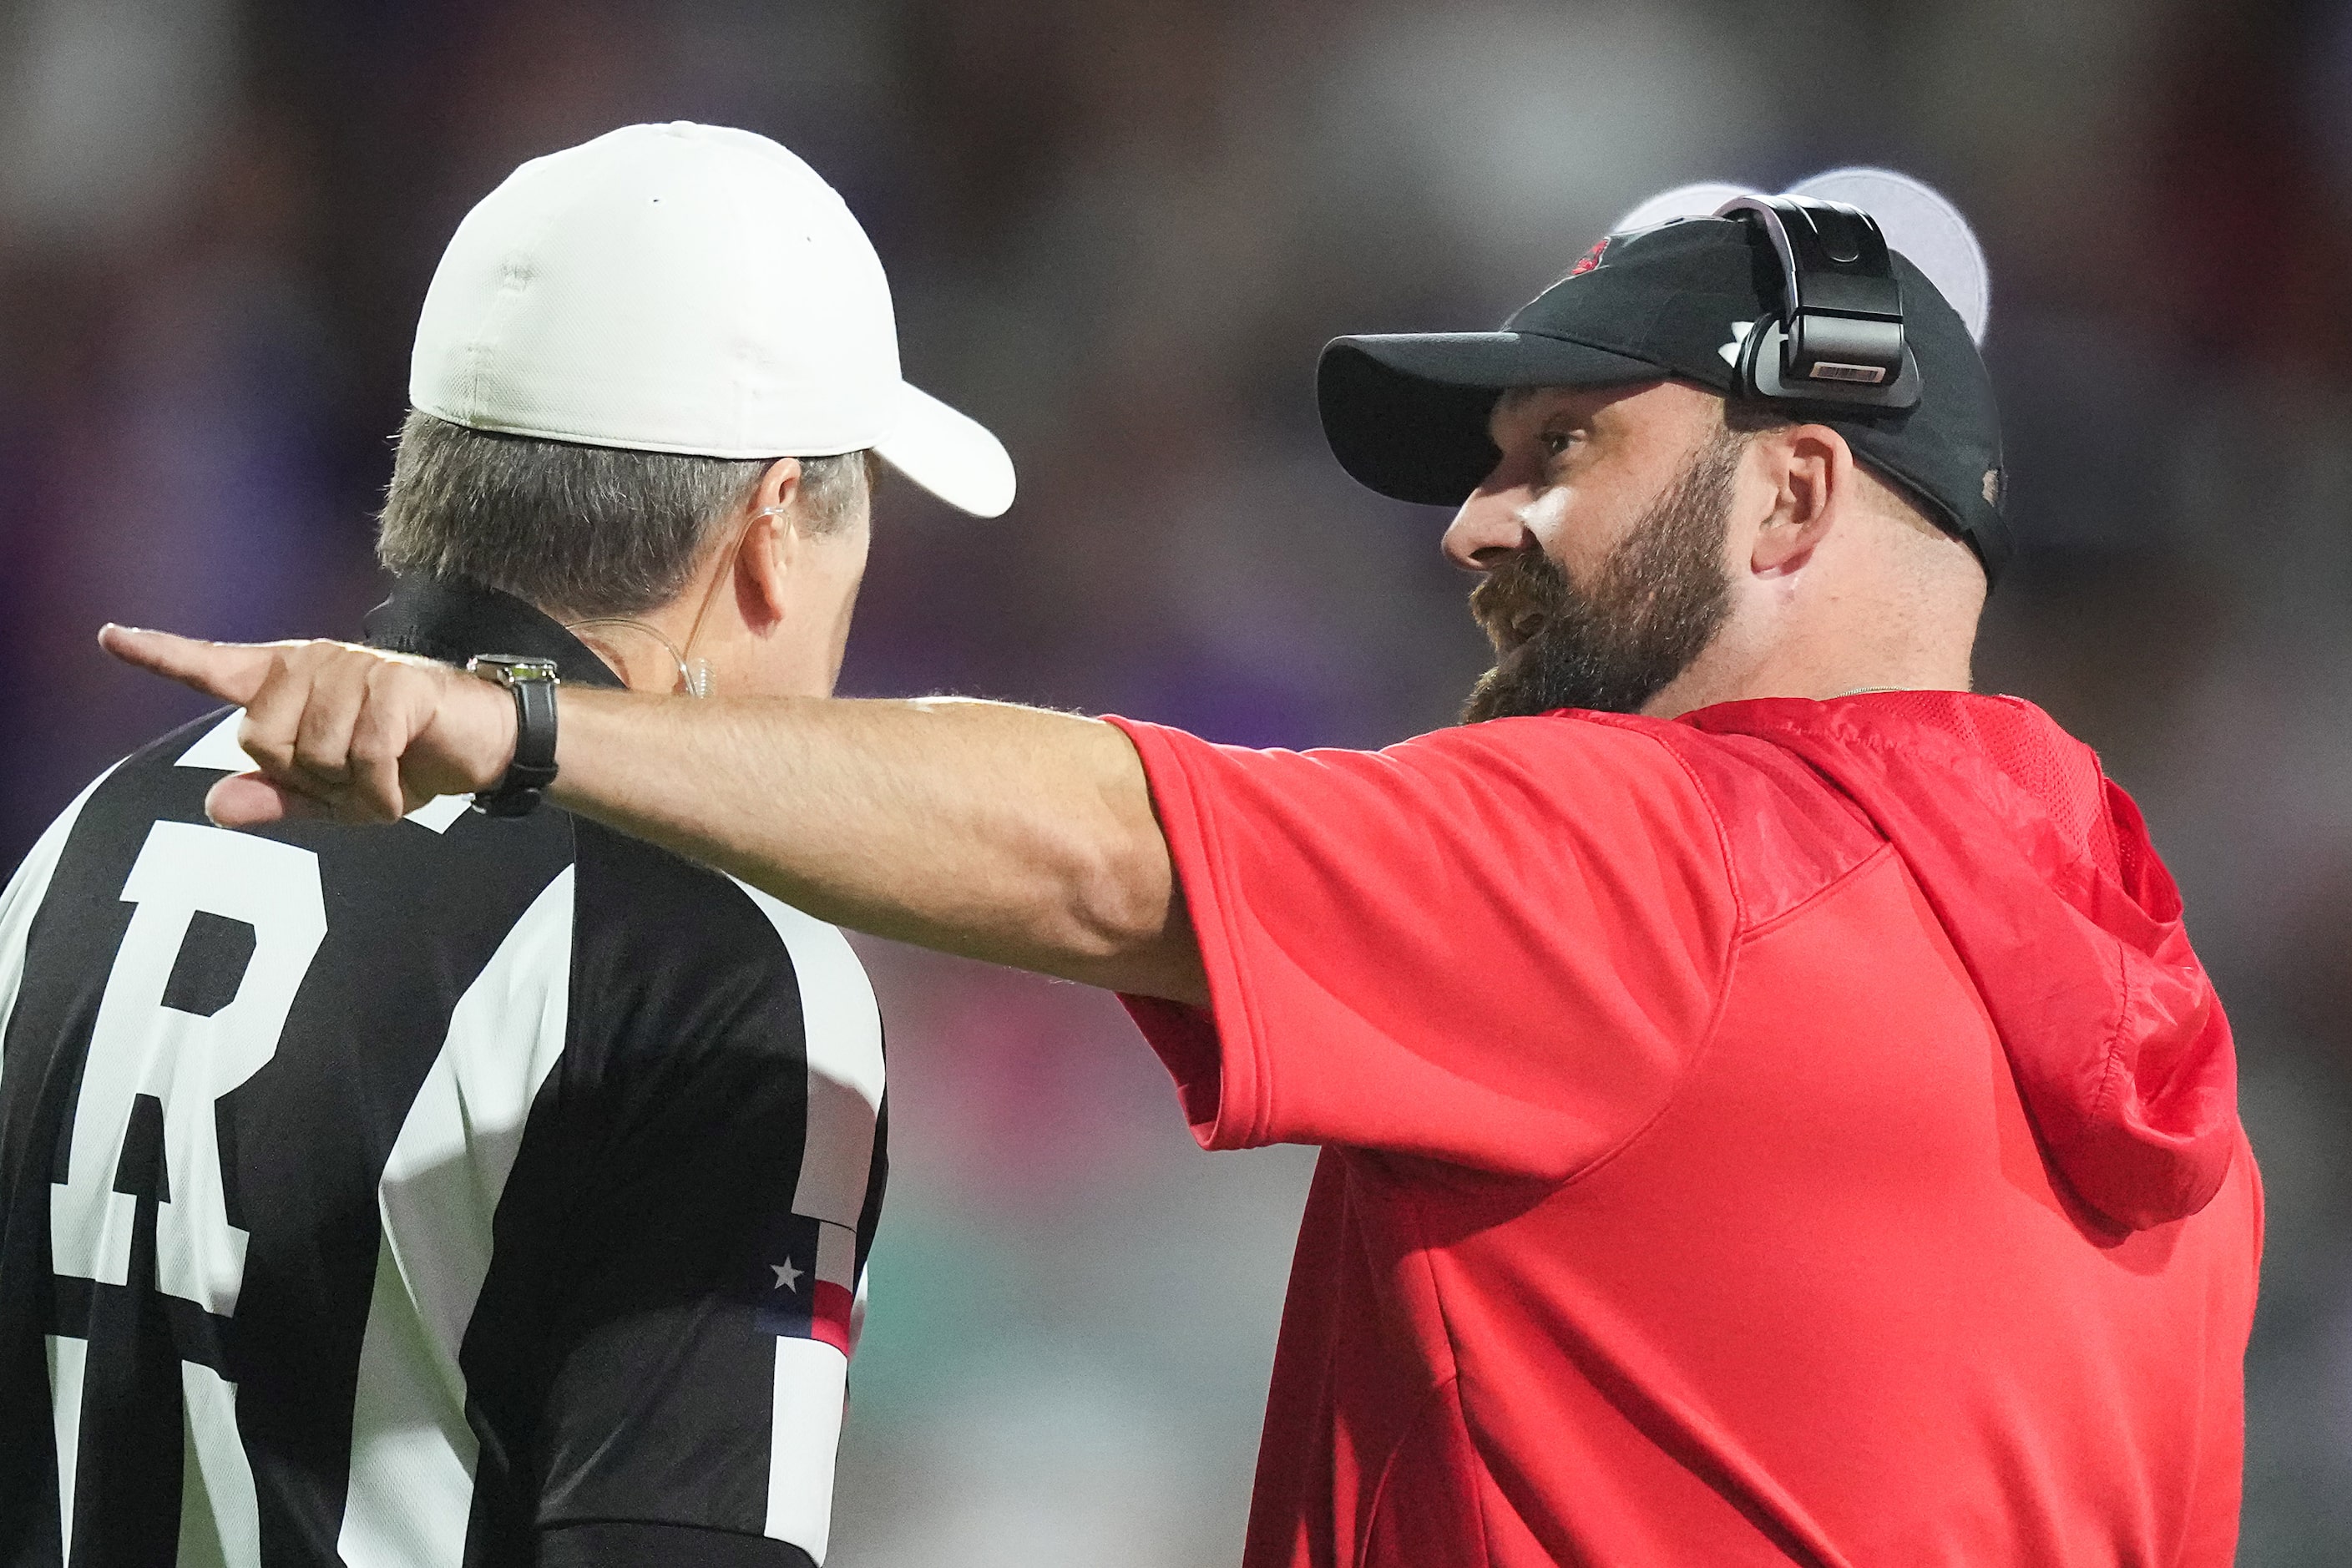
x=469 y=1193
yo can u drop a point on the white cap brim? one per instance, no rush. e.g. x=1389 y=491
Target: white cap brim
x=950 y=454
x=1699 y=200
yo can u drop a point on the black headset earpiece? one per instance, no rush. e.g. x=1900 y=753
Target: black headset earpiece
x=1838 y=341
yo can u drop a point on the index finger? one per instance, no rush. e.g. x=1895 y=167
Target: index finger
x=230 y=671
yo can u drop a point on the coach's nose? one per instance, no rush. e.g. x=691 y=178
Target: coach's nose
x=1490 y=527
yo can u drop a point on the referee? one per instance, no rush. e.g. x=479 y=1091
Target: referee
x=496 y=1190
x=1772 y=1112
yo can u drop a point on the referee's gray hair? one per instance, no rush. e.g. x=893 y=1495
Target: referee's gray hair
x=577 y=531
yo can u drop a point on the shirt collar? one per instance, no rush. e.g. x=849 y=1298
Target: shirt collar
x=452 y=619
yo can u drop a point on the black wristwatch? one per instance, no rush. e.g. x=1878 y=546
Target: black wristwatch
x=533 y=683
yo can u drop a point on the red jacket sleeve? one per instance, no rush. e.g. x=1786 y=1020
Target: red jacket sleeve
x=1498 y=945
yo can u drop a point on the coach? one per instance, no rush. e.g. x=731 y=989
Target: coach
x=1770 y=1109
x=494 y=1191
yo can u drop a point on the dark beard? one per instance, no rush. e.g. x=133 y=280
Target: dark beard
x=1658 y=600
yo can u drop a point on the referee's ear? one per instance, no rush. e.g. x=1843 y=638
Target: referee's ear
x=766 y=550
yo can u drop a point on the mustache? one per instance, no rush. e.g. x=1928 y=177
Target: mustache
x=1516 y=601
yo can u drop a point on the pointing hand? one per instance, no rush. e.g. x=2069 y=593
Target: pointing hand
x=339 y=731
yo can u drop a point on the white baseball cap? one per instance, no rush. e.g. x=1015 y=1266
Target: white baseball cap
x=685 y=289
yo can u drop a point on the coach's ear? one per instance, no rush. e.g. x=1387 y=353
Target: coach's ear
x=1809 y=467
x=770 y=547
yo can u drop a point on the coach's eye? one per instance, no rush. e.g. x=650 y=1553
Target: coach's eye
x=1556 y=442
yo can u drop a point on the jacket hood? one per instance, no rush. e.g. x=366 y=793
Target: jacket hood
x=2042 y=873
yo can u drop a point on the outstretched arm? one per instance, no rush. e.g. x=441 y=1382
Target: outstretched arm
x=1016 y=835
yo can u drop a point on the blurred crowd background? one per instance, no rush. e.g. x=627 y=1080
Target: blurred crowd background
x=1119 y=231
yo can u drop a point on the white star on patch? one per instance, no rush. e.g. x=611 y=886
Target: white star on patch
x=1730 y=351
x=787 y=1277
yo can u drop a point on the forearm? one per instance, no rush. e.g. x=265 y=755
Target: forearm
x=1009 y=833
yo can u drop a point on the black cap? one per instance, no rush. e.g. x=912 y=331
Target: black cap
x=1406 y=412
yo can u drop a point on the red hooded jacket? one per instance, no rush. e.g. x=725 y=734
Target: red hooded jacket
x=1799 y=1133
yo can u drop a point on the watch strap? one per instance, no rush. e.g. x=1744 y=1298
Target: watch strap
x=533 y=684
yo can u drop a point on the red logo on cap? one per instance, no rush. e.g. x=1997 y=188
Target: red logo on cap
x=1591 y=259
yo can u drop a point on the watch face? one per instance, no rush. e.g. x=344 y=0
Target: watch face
x=508 y=668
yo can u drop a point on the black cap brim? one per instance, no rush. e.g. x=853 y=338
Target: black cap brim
x=1406 y=412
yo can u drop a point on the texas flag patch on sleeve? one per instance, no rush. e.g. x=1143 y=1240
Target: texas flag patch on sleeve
x=805 y=1281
